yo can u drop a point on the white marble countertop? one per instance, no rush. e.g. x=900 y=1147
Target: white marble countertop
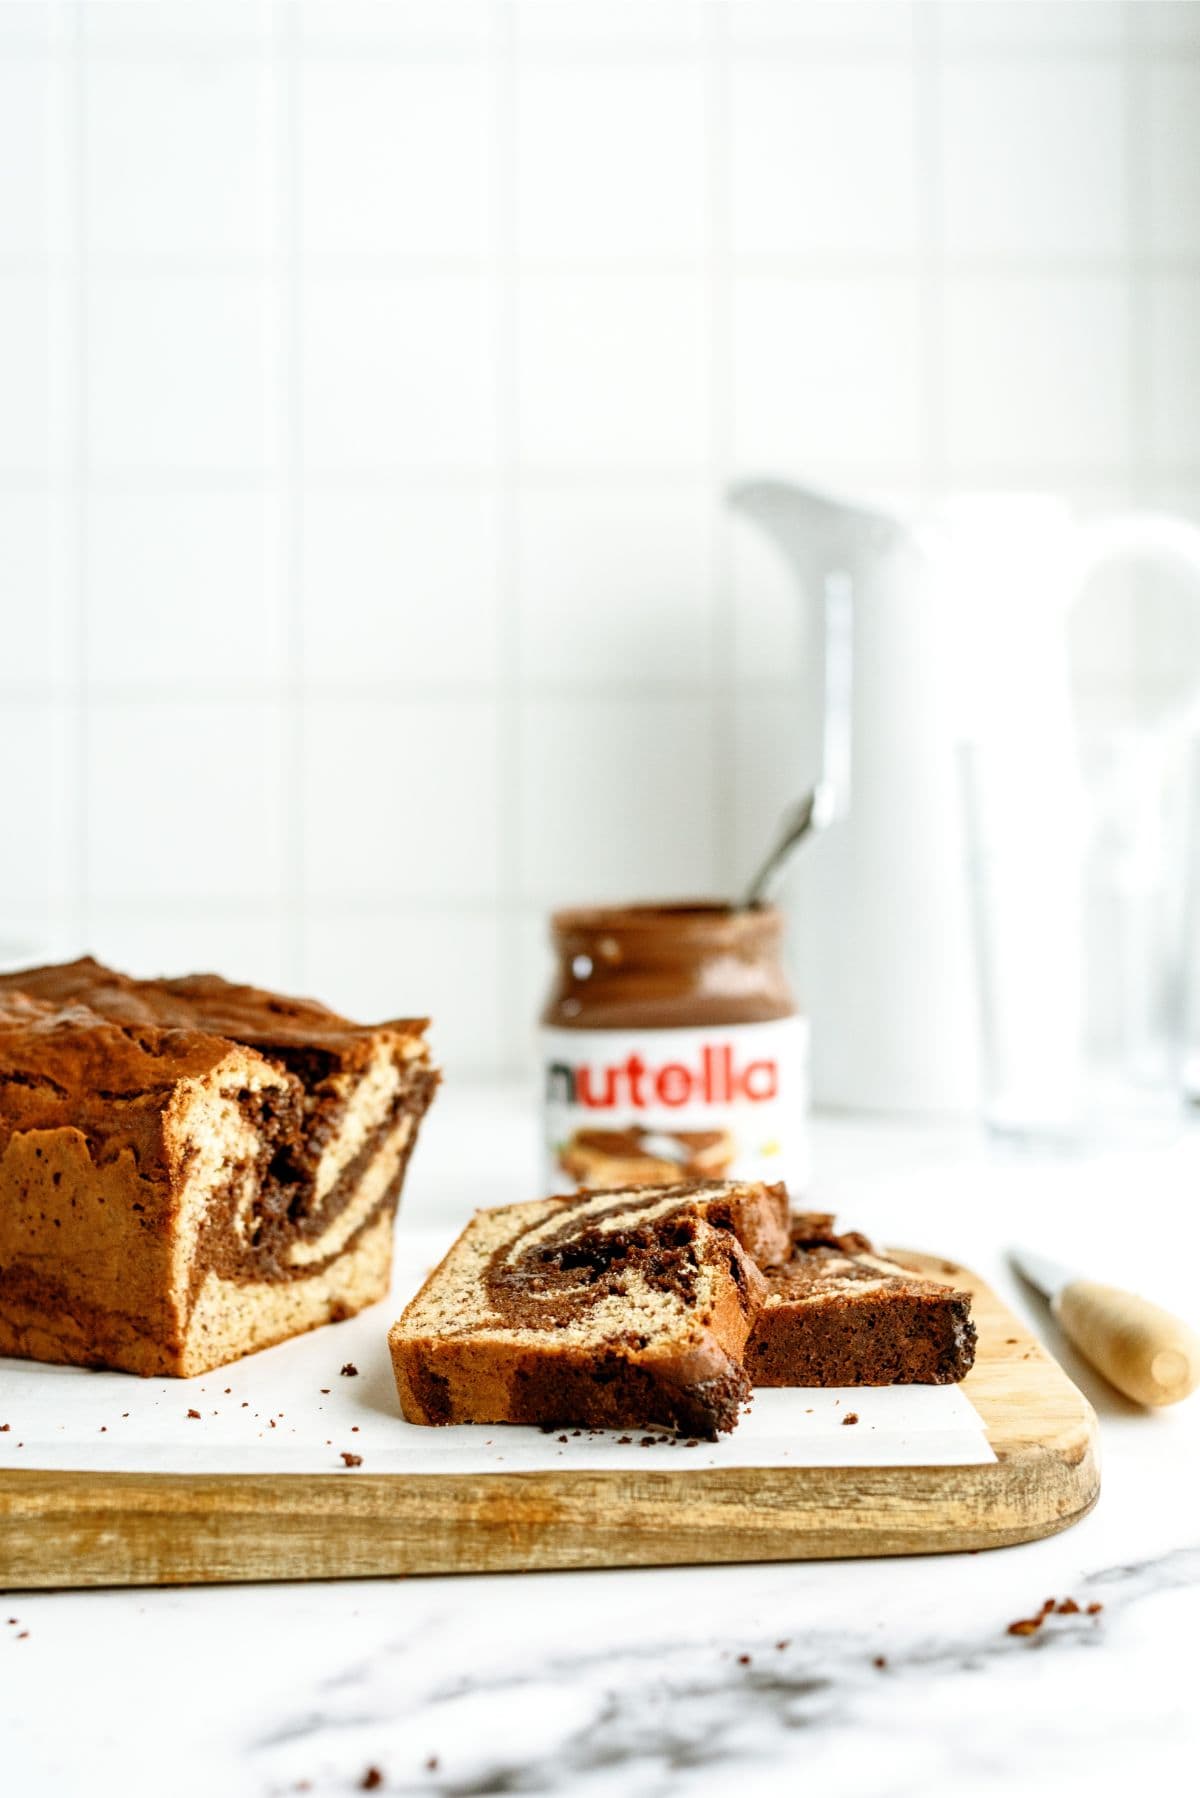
x=869 y=1677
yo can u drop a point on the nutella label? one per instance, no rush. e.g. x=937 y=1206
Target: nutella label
x=644 y=1107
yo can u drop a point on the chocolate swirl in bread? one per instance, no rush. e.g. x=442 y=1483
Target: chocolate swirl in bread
x=836 y=1313
x=619 y=1310
x=191 y=1169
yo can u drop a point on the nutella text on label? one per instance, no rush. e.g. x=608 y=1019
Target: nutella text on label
x=641 y=1106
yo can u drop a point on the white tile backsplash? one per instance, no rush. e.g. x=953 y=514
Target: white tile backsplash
x=1170 y=24
x=1034 y=159
x=33 y=154
x=392 y=123
x=1036 y=375
x=184 y=800
x=613 y=370
x=1032 y=24
x=26 y=24
x=1173 y=151
x=183 y=592
x=398 y=372
x=33 y=525
x=771 y=636
x=822 y=159
x=179 y=373
x=32 y=401
x=616 y=798
x=136 y=24
x=617 y=583
x=37 y=750
x=1174 y=397
x=826 y=372
x=645 y=24
x=400 y=801
x=370 y=375
x=178 y=156
x=611 y=161
x=863 y=25
x=397 y=24
x=401 y=587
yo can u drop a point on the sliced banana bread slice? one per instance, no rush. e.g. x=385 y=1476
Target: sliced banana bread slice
x=837 y=1313
x=605 y=1310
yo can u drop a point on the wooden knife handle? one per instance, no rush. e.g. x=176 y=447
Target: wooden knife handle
x=1147 y=1353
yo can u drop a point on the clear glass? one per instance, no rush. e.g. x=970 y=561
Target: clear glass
x=1082 y=893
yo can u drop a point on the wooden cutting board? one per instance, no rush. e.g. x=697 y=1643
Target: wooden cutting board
x=114 y=1529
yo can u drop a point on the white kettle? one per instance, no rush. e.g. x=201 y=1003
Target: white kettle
x=959 y=631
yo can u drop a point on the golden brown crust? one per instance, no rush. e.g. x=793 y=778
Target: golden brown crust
x=202 y=1002
x=168 y=1148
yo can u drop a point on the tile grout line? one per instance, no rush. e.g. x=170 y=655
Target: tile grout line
x=1138 y=200
x=816 y=264
x=927 y=58
x=1136 y=107
x=81 y=467
x=618 y=52
x=513 y=1026
x=721 y=374
x=287 y=403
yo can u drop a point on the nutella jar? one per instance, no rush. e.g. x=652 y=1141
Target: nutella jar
x=672 y=1049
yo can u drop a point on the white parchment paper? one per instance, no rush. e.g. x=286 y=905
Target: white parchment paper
x=291 y=1409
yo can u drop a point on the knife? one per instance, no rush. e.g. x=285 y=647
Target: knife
x=1145 y=1352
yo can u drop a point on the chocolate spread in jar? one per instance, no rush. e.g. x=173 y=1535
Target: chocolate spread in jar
x=672 y=1048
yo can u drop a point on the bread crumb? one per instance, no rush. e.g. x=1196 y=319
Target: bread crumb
x=371 y=1780
x=850 y=1417
x=351 y=1460
x=192 y=1413
x=349 y=1370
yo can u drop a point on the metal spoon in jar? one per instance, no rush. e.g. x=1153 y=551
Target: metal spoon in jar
x=811 y=813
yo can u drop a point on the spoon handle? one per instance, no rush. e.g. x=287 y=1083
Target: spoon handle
x=811 y=813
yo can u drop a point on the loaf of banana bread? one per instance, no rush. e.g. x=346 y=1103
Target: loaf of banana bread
x=189 y=1169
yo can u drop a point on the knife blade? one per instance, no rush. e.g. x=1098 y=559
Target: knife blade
x=1144 y=1351
x=1048 y=1276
